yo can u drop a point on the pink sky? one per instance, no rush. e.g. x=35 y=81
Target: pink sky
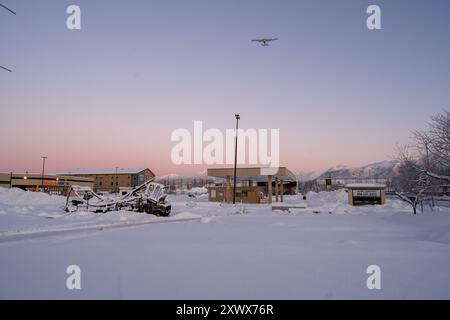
x=110 y=94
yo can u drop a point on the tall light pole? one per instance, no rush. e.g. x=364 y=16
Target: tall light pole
x=43 y=171
x=235 y=157
x=117 y=181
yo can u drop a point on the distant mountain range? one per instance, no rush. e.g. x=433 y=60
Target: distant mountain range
x=377 y=170
x=186 y=176
x=380 y=170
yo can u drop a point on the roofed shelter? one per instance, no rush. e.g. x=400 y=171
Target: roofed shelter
x=254 y=185
x=366 y=193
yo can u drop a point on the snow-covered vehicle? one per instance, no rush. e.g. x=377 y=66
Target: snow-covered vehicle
x=149 y=197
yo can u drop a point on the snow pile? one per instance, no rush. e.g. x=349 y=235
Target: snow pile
x=17 y=201
x=328 y=201
x=336 y=202
x=319 y=199
x=24 y=213
x=197 y=191
x=15 y=196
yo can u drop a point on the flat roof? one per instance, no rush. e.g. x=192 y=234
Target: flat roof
x=104 y=171
x=365 y=186
x=253 y=173
x=20 y=176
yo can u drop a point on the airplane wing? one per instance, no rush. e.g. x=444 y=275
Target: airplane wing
x=4 y=68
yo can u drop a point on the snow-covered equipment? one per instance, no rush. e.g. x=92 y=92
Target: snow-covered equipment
x=149 y=197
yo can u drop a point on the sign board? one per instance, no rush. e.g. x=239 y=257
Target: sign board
x=366 y=193
x=53 y=183
x=269 y=171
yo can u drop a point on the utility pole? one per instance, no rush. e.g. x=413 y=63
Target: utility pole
x=235 y=157
x=43 y=171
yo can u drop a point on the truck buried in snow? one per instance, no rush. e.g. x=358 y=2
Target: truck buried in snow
x=149 y=197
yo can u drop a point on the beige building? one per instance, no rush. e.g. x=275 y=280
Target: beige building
x=54 y=184
x=114 y=179
x=253 y=185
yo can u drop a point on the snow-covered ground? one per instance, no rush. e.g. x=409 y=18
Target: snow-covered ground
x=217 y=251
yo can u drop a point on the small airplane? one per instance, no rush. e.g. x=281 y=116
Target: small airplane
x=264 y=41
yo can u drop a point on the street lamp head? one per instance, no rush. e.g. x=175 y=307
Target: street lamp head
x=237 y=116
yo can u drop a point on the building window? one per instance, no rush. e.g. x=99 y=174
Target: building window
x=242 y=194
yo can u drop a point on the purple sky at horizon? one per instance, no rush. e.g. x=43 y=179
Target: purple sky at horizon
x=111 y=93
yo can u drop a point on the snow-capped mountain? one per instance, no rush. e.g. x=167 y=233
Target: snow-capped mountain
x=308 y=175
x=383 y=169
x=168 y=176
x=190 y=175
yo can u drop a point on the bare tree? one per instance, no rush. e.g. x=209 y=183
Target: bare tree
x=411 y=183
x=425 y=165
x=433 y=145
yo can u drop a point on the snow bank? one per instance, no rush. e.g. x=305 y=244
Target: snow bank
x=336 y=202
x=17 y=201
x=319 y=199
x=18 y=197
x=198 y=191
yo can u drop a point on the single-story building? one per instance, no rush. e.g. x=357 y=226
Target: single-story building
x=366 y=193
x=253 y=185
x=54 y=184
x=112 y=179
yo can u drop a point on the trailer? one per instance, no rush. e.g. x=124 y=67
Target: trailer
x=149 y=197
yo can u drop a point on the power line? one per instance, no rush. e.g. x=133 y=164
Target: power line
x=9 y=70
x=5 y=7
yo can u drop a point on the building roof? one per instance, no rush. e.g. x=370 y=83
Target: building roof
x=365 y=186
x=255 y=173
x=104 y=171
